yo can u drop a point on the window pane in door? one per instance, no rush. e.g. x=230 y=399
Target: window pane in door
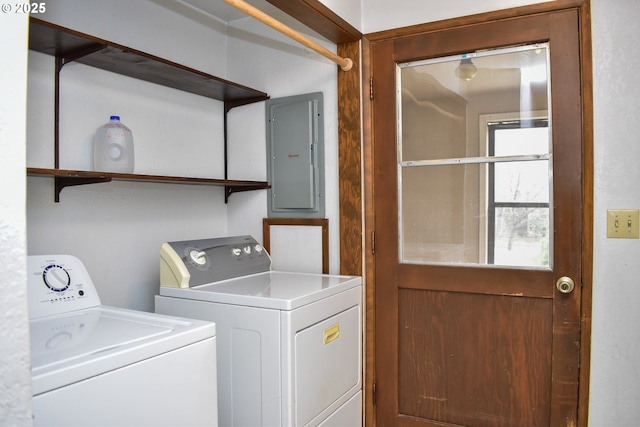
x=520 y=139
x=442 y=220
x=521 y=181
x=521 y=236
x=475 y=191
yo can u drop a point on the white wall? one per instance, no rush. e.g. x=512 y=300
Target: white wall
x=15 y=375
x=615 y=354
x=379 y=15
x=263 y=58
x=117 y=228
x=350 y=11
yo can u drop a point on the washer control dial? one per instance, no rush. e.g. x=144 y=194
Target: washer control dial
x=56 y=278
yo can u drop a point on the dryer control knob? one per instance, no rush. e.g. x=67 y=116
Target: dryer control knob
x=199 y=257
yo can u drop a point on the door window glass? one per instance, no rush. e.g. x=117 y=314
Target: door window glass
x=474 y=159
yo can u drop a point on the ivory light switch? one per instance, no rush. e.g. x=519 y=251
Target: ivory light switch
x=623 y=223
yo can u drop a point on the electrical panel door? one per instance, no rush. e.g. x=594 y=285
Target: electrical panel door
x=295 y=148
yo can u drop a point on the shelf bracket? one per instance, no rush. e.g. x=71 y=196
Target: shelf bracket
x=229 y=190
x=64 y=181
x=81 y=52
x=61 y=60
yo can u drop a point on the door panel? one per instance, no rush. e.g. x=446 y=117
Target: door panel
x=479 y=366
x=460 y=344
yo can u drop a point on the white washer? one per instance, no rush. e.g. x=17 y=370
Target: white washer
x=95 y=365
x=289 y=344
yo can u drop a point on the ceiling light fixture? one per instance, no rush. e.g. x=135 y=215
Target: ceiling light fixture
x=466 y=70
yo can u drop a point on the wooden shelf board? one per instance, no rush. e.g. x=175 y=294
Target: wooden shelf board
x=81 y=175
x=55 y=40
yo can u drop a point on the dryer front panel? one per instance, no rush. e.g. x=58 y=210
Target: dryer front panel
x=327 y=363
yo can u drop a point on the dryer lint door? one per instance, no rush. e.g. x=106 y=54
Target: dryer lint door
x=327 y=363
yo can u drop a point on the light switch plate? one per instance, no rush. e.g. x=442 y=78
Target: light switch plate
x=623 y=223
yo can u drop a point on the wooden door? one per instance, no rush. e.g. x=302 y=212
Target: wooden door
x=478 y=345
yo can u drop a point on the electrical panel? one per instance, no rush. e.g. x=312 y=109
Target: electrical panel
x=295 y=156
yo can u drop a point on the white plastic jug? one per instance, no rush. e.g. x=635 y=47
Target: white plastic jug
x=113 y=147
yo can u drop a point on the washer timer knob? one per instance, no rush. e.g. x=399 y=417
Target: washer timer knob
x=56 y=278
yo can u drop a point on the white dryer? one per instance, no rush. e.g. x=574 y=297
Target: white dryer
x=95 y=365
x=289 y=344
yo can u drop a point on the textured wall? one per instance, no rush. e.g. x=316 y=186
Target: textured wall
x=615 y=355
x=15 y=376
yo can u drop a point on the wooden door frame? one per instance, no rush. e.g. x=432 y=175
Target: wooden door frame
x=583 y=7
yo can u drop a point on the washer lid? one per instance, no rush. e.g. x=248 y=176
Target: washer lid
x=74 y=346
x=272 y=289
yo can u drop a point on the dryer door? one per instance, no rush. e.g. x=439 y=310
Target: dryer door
x=327 y=363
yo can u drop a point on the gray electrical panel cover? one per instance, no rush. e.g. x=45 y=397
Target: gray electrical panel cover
x=295 y=156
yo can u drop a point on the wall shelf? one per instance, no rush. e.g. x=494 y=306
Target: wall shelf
x=67 y=178
x=71 y=45
x=68 y=45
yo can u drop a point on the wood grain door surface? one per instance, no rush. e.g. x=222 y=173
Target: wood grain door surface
x=468 y=346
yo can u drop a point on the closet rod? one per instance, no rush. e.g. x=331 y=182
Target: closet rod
x=344 y=63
